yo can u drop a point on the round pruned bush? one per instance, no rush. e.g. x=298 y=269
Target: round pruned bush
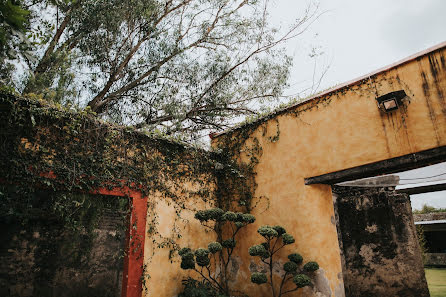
x=275 y=238
x=280 y=230
x=187 y=261
x=230 y=216
x=311 y=266
x=202 y=216
x=290 y=267
x=248 y=218
x=202 y=256
x=239 y=224
x=229 y=243
x=184 y=251
x=301 y=280
x=214 y=247
x=258 y=250
x=287 y=239
x=296 y=258
x=267 y=232
x=258 y=278
x=214 y=214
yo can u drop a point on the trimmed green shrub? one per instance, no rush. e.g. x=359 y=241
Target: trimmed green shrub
x=275 y=238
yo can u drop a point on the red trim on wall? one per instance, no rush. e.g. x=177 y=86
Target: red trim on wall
x=134 y=256
x=135 y=238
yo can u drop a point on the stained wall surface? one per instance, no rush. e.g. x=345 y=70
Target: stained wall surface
x=339 y=129
x=379 y=242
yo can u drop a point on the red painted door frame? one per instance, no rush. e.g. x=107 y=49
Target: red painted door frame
x=133 y=269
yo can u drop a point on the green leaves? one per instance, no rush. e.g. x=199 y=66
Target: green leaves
x=267 y=250
x=296 y=258
x=301 y=280
x=290 y=267
x=267 y=232
x=229 y=243
x=258 y=278
x=159 y=65
x=187 y=261
x=259 y=250
x=215 y=247
x=202 y=257
x=214 y=214
x=311 y=266
x=287 y=239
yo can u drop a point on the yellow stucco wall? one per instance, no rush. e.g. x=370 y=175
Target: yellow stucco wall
x=340 y=130
x=173 y=225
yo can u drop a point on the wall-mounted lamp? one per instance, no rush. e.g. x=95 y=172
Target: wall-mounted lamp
x=391 y=101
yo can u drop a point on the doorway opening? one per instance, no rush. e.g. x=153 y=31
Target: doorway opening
x=379 y=243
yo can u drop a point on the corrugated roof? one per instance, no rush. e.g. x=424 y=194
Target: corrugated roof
x=346 y=84
x=430 y=222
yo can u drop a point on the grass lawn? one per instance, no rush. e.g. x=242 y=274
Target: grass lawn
x=436 y=280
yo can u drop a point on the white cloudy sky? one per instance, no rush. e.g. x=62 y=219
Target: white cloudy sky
x=356 y=37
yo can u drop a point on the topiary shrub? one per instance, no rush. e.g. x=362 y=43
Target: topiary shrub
x=211 y=263
x=275 y=238
x=194 y=288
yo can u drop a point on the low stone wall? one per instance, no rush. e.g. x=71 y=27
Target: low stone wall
x=433 y=216
x=435 y=259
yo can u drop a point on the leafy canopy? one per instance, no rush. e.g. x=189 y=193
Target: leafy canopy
x=174 y=66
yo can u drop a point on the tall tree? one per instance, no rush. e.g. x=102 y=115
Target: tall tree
x=13 y=41
x=175 y=65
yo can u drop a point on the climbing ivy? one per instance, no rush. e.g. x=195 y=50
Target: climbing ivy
x=63 y=150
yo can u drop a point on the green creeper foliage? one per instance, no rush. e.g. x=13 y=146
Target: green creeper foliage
x=214 y=247
x=267 y=232
x=287 y=239
x=301 y=280
x=311 y=266
x=258 y=278
x=290 y=267
x=296 y=258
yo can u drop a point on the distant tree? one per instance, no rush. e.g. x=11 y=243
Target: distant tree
x=173 y=65
x=429 y=209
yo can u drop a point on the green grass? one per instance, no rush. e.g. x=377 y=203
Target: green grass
x=436 y=280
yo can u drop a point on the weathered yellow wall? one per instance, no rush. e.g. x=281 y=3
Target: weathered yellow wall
x=174 y=225
x=340 y=130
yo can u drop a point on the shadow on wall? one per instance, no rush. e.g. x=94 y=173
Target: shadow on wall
x=42 y=258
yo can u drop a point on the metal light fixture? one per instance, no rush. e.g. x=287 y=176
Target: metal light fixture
x=391 y=101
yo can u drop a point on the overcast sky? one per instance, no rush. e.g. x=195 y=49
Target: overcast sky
x=355 y=37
